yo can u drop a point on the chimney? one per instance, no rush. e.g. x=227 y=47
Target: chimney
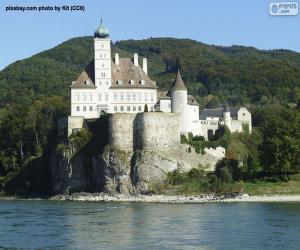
x=117 y=59
x=136 y=59
x=145 y=65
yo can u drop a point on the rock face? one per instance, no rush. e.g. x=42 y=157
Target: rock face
x=118 y=171
x=140 y=151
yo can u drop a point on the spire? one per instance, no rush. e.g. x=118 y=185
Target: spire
x=178 y=83
x=101 y=31
x=226 y=107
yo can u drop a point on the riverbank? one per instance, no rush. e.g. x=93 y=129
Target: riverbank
x=156 y=198
x=203 y=198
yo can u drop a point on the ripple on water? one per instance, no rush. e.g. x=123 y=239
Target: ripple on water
x=92 y=225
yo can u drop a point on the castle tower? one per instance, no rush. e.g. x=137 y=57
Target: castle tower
x=227 y=117
x=102 y=56
x=179 y=102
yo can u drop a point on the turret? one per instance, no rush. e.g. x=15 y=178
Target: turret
x=227 y=117
x=179 y=101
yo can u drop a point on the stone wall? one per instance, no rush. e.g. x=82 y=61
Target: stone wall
x=157 y=131
x=149 y=130
x=66 y=125
x=120 y=131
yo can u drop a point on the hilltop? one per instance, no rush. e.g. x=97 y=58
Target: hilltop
x=242 y=75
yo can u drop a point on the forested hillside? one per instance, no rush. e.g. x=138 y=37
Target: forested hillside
x=35 y=93
x=242 y=75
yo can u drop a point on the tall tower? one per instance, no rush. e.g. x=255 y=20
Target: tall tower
x=227 y=117
x=179 y=102
x=102 y=56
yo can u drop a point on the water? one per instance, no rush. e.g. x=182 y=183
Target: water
x=88 y=225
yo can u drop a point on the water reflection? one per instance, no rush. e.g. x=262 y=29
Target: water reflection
x=86 y=225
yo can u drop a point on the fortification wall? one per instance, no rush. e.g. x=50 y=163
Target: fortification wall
x=157 y=131
x=121 y=131
x=149 y=130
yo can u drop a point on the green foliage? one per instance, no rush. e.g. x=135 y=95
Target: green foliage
x=280 y=148
x=228 y=170
x=28 y=132
x=197 y=181
x=199 y=144
x=81 y=138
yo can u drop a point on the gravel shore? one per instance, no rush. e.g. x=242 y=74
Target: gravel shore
x=155 y=198
x=177 y=198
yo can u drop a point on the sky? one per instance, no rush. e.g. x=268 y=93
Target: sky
x=219 y=22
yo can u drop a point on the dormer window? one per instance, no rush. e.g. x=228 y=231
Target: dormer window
x=88 y=82
x=119 y=82
x=142 y=82
x=131 y=82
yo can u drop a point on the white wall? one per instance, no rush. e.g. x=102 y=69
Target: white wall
x=132 y=100
x=83 y=103
x=165 y=105
x=245 y=117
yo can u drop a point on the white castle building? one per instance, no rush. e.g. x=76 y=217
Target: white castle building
x=121 y=85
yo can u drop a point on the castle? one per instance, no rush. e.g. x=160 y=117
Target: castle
x=121 y=85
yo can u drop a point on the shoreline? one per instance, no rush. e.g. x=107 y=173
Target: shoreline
x=157 y=198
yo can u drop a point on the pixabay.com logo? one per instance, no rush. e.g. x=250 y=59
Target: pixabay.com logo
x=283 y=9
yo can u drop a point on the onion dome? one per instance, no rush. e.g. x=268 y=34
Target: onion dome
x=101 y=32
x=178 y=83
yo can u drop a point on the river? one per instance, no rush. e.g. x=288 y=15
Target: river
x=121 y=225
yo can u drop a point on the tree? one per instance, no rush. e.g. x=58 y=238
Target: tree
x=227 y=170
x=280 y=147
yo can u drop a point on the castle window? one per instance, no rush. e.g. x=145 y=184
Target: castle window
x=122 y=108
x=134 y=97
x=107 y=83
x=139 y=108
x=100 y=55
x=146 y=97
x=102 y=45
x=99 y=97
x=134 y=108
x=91 y=108
x=104 y=55
x=128 y=108
x=91 y=97
x=122 y=97
x=140 y=97
x=84 y=108
x=128 y=97
x=103 y=74
x=77 y=108
x=102 y=65
x=115 y=97
x=115 y=108
x=84 y=98
x=78 y=98
x=106 y=97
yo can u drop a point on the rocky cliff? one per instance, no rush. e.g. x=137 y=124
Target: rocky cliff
x=118 y=171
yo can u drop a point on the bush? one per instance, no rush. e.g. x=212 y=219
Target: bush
x=227 y=170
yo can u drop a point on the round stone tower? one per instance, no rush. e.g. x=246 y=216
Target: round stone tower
x=227 y=118
x=179 y=102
